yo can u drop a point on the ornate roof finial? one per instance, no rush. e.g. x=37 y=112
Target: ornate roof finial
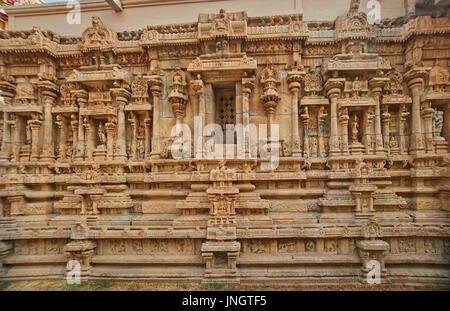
x=354 y=6
x=96 y=22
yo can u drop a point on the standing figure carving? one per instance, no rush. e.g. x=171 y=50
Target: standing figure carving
x=354 y=125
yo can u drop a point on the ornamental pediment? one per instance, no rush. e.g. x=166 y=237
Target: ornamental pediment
x=295 y=29
x=222 y=174
x=426 y=25
x=222 y=24
x=356 y=102
x=116 y=74
x=439 y=78
x=98 y=111
x=438 y=83
x=222 y=68
x=354 y=25
x=97 y=37
x=34 y=41
x=25 y=92
x=437 y=97
x=396 y=99
x=227 y=25
x=374 y=63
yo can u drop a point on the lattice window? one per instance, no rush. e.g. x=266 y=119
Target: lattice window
x=226 y=108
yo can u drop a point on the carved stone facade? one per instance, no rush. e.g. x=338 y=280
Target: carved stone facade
x=92 y=128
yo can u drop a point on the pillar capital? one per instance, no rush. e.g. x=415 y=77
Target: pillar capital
x=8 y=89
x=248 y=84
x=110 y=126
x=49 y=97
x=427 y=111
x=120 y=95
x=197 y=85
x=35 y=124
x=333 y=86
x=155 y=83
x=416 y=77
x=81 y=96
x=46 y=85
x=148 y=122
x=377 y=84
x=294 y=79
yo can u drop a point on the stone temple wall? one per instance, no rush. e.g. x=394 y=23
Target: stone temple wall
x=99 y=162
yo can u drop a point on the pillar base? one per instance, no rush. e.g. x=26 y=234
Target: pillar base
x=441 y=146
x=3 y=156
x=48 y=158
x=335 y=153
x=78 y=158
x=122 y=157
x=155 y=156
x=296 y=153
x=357 y=148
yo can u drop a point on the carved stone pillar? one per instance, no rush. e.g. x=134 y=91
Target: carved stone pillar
x=322 y=114
x=179 y=108
x=270 y=96
x=238 y=102
x=198 y=86
x=427 y=114
x=155 y=88
x=343 y=119
x=446 y=131
x=89 y=140
x=7 y=94
x=416 y=140
x=6 y=247
x=156 y=139
x=247 y=87
x=403 y=117
x=376 y=85
x=385 y=120
x=368 y=131
x=305 y=120
x=333 y=87
x=210 y=109
x=6 y=142
x=74 y=127
x=133 y=145
x=81 y=98
x=35 y=126
x=294 y=86
x=61 y=149
x=48 y=148
x=148 y=133
x=178 y=100
x=110 y=132
x=121 y=141
x=121 y=97
x=415 y=81
x=15 y=134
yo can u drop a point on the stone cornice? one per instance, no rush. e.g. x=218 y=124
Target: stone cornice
x=89 y=6
x=236 y=25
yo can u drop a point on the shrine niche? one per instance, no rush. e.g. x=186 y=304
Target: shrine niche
x=111 y=153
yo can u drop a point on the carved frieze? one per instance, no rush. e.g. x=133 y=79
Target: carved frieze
x=89 y=170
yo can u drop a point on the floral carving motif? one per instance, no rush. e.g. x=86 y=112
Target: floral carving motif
x=313 y=81
x=395 y=84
